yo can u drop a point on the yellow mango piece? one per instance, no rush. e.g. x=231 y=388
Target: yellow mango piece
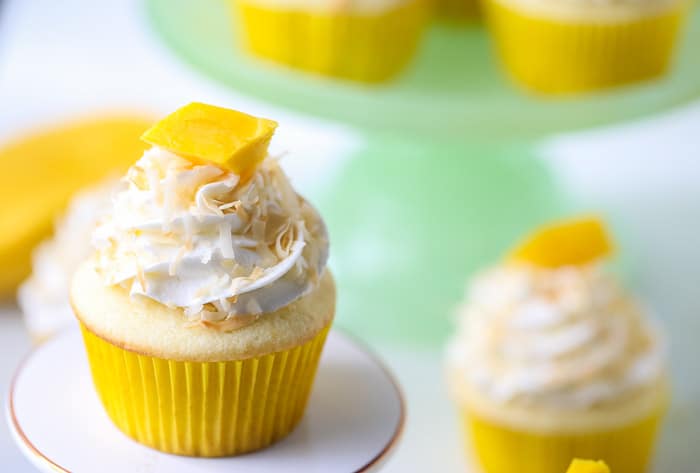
x=42 y=170
x=571 y=242
x=588 y=466
x=205 y=133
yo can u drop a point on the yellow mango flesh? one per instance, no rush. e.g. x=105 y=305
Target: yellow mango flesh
x=41 y=172
x=205 y=133
x=572 y=242
x=588 y=466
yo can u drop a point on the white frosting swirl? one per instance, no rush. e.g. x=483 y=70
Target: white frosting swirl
x=43 y=297
x=195 y=237
x=559 y=338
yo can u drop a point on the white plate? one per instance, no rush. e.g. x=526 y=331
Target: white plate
x=354 y=419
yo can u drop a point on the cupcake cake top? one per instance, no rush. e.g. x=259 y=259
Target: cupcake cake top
x=206 y=222
x=551 y=328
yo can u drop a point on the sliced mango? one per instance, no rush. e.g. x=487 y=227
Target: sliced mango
x=205 y=133
x=588 y=466
x=572 y=242
x=42 y=170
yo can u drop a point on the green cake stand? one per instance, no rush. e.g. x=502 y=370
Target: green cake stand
x=446 y=177
x=453 y=89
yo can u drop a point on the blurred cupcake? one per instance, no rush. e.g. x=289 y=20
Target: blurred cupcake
x=43 y=297
x=208 y=295
x=571 y=46
x=554 y=360
x=457 y=10
x=360 y=40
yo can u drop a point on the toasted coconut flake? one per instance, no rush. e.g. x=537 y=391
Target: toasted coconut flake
x=232 y=323
x=172 y=270
x=140 y=276
x=225 y=243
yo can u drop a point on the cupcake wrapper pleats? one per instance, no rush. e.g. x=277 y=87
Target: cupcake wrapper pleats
x=365 y=48
x=498 y=449
x=555 y=56
x=204 y=408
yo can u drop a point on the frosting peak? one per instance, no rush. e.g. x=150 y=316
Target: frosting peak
x=566 y=337
x=197 y=237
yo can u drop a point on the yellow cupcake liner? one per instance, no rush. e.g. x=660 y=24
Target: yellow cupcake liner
x=498 y=449
x=460 y=10
x=205 y=409
x=559 y=56
x=365 y=48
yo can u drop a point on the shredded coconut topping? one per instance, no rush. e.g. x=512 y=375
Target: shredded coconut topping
x=196 y=237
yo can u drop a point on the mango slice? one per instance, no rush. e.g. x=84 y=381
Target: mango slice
x=42 y=170
x=205 y=133
x=588 y=466
x=572 y=242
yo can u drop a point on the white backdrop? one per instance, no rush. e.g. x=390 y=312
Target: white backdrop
x=73 y=57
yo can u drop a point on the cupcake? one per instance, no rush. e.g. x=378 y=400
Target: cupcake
x=554 y=360
x=361 y=40
x=206 y=304
x=573 y=46
x=457 y=10
x=43 y=297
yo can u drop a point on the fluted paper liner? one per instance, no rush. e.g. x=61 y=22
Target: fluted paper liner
x=204 y=408
x=627 y=449
x=361 y=47
x=558 y=56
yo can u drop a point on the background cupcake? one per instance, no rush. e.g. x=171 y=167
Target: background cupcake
x=569 y=46
x=362 y=40
x=43 y=297
x=557 y=361
x=207 y=295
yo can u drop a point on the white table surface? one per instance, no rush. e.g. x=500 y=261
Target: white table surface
x=647 y=175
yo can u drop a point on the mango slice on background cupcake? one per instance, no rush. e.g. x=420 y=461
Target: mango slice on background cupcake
x=366 y=41
x=575 y=242
x=577 y=46
x=553 y=359
x=206 y=304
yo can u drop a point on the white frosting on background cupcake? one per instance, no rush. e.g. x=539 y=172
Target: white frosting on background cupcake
x=43 y=297
x=555 y=338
